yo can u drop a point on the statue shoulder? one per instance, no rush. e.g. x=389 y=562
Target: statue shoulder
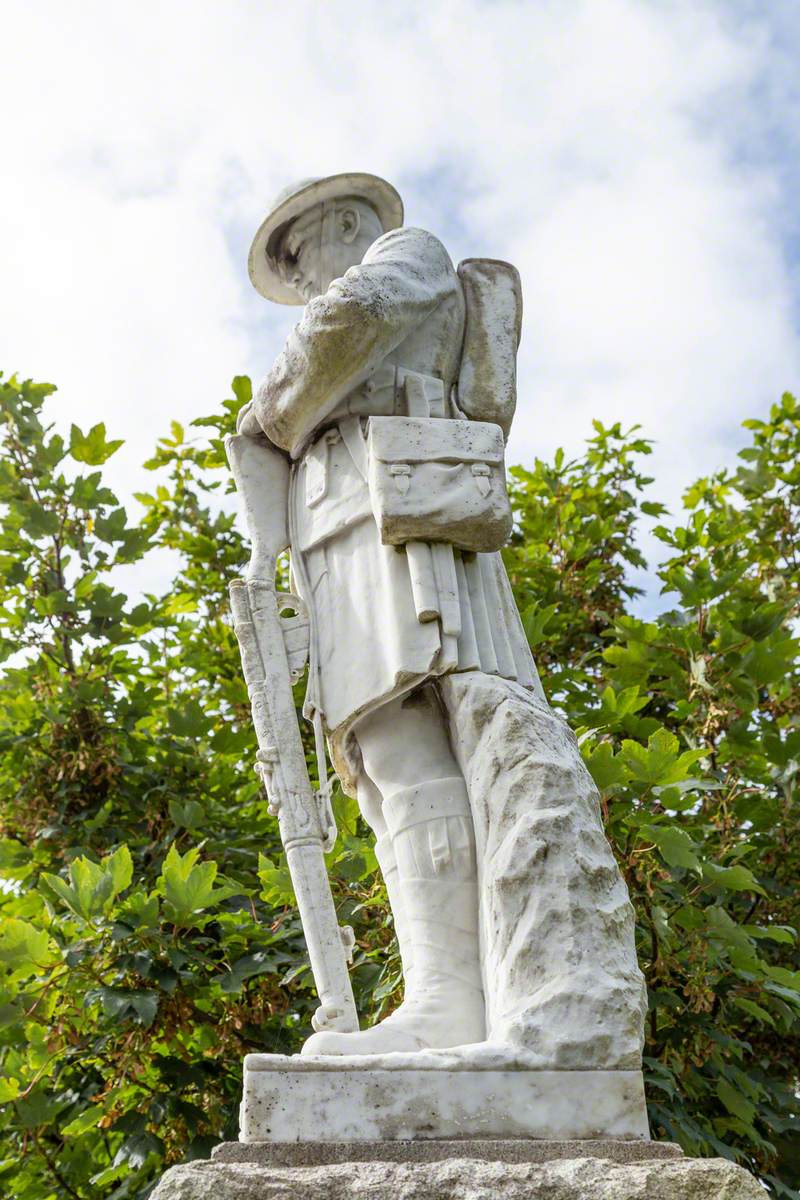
x=411 y=245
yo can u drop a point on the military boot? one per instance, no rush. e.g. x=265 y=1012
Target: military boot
x=387 y=861
x=432 y=838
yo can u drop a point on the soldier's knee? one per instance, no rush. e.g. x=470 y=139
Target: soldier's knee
x=405 y=742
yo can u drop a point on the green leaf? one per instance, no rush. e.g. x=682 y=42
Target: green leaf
x=277 y=887
x=15 y=859
x=93 y=887
x=120 y=1004
x=39 y=1108
x=119 y=866
x=674 y=845
x=112 y=528
x=535 y=621
x=179 y=603
x=187 y=814
x=776 y=933
x=765 y=620
x=84 y=1121
x=261 y=962
x=790 y=995
x=139 y=615
x=139 y=911
x=724 y=927
x=136 y=1150
x=734 y=879
x=24 y=949
x=753 y=1010
x=38 y=521
x=736 y=1104
x=92 y=447
x=242 y=388
x=190 y=720
x=606 y=768
x=188 y=885
x=346 y=813
x=660 y=762
x=87 y=492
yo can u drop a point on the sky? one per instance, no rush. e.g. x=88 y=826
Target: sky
x=636 y=159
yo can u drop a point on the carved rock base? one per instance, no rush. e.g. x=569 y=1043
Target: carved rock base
x=402 y=1097
x=464 y=1178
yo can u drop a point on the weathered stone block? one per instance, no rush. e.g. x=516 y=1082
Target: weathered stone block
x=464 y=1179
x=396 y=1097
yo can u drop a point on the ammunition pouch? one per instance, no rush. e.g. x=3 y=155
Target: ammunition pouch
x=438 y=479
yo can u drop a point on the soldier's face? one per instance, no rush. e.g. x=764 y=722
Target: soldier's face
x=300 y=255
x=316 y=250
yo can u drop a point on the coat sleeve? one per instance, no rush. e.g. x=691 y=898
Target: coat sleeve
x=346 y=333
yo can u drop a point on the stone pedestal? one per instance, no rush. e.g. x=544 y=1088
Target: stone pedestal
x=464 y=1177
x=435 y=1094
x=440 y=1126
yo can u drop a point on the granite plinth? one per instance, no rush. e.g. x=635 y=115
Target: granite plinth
x=433 y=1095
x=464 y=1179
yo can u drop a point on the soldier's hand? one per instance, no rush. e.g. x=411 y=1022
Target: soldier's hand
x=247 y=422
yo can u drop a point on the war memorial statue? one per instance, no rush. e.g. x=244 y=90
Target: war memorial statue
x=392 y=399
x=374 y=451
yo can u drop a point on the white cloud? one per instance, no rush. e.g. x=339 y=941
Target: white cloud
x=631 y=158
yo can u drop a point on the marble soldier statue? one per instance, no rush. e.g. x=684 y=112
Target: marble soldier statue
x=391 y=400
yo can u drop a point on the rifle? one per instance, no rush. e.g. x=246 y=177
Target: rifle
x=273 y=649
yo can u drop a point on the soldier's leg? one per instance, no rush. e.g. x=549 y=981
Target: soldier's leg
x=406 y=741
x=424 y=800
x=426 y=849
x=370 y=802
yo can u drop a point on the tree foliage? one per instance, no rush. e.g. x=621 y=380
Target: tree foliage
x=148 y=934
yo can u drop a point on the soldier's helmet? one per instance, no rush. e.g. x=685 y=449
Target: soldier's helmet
x=296 y=199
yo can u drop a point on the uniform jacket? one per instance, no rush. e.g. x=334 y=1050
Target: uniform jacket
x=401 y=309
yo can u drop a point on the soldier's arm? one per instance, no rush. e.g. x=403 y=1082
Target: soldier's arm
x=247 y=422
x=350 y=330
